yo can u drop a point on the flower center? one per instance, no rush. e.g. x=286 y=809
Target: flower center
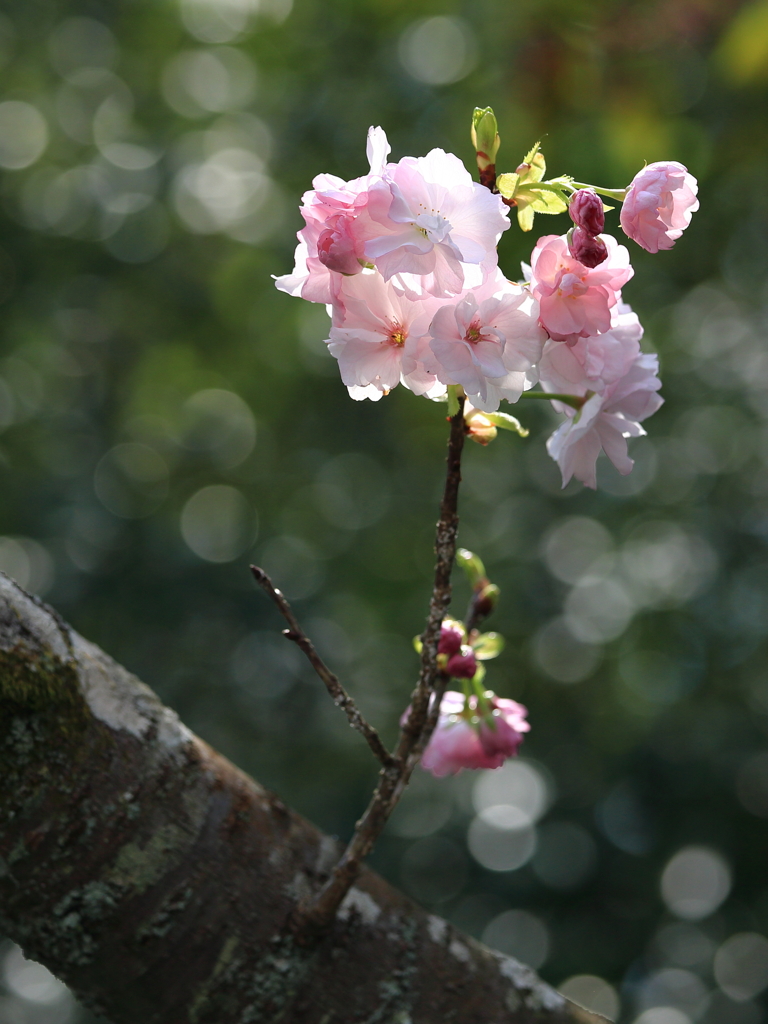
x=397 y=337
x=473 y=333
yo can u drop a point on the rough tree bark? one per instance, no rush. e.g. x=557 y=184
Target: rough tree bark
x=158 y=880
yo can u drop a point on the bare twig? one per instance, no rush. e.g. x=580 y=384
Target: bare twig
x=340 y=696
x=318 y=914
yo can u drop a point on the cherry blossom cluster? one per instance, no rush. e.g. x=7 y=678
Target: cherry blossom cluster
x=405 y=259
x=475 y=728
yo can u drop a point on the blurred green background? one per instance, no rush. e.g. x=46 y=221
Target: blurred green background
x=166 y=416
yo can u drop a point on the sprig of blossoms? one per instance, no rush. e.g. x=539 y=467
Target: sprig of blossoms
x=405 y=259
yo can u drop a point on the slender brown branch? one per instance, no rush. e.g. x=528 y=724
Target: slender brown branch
x=445 y=550
x=317 y=915
x=340 y=696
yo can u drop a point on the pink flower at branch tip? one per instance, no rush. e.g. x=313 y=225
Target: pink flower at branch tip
x=574 y=300
x=464 y=739
x=659 y=204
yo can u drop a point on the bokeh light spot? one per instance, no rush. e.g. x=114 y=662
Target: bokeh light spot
x=438 y=50
x=741 y=965
x=695 y=882
x=218 y=523
x=23 y=134
x=592 y=993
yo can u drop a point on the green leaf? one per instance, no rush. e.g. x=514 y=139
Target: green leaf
x=417 y=644
x=525 y=217
x=542 y=198
x=507 y=422
x=453 y=399
x=506 y=184
x=488 y=645
x=533 y=167
x=471 y=565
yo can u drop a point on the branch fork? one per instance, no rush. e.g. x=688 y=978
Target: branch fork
x=315 y=915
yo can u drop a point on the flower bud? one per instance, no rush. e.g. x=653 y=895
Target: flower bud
x=586 y=210
x=462 y=665
x=451 y=639
x=485 y=136
x=479 y=428
x=484 y=601
x=336 y=251
x=587 y=249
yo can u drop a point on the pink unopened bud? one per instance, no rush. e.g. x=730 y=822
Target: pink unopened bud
x=587 y=249
x=586 y=210
x=336 y=250
x=462 y=665
x=451 y=639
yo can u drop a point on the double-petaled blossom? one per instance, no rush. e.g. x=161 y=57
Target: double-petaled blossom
x=593 y=363
x=380 y=336
x=330 y=245
x=575 y=300
x=423 y=217
x=487 y=342
x=469 y=735
x=659 y=204
x=429 y=218
x=616 y=403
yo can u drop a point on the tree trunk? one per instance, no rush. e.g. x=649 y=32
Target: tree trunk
x=158 y=880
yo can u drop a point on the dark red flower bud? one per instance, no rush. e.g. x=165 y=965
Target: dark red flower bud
x=586 y=248
x=586 y=210
x=451 y=640
x=462 y=665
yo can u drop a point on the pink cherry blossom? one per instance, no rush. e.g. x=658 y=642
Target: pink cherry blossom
x=380 y=336
x=329 y=244
x=487 y=341
x=576 y=301
x=593 y=363
x=428 y=217
x=605 y=421
x=586 y=210
x=459 y=743
x=659 y=204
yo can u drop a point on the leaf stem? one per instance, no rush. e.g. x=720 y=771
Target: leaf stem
x=575 y=401
x=619 y=194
